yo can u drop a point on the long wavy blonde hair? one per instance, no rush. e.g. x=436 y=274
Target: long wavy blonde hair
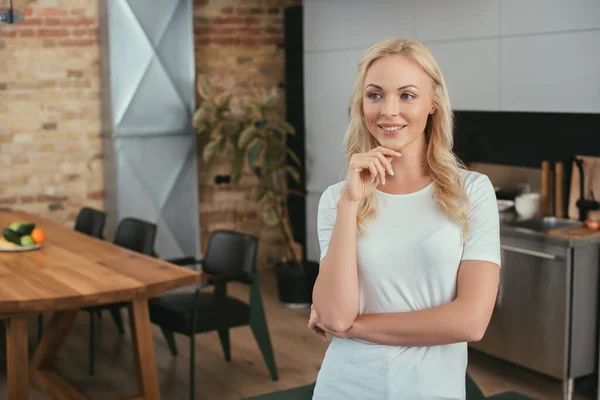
x=442 y=164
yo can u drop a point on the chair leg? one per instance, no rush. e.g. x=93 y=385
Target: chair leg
x=92 y=343
x=225 y=344
x=258 y=324
x=115 y=312
x=170 y=338
x=40 y=326
x=192 y=365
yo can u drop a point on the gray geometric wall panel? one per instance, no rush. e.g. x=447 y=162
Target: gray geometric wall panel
x=152 y=98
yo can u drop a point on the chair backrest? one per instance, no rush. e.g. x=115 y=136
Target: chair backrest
x=91 y=222
x=137 y=235
x=231 y=255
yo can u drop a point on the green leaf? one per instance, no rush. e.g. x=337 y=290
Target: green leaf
x=204 y=87
x=254 y=154
x=237 y=165
x=294 y=157
x=256 y=108
x=277 y=134
x=270 y=100
x=246 y=136
x=261 y=124
x=210 y=150
x=257 y=193
x=294 y=173
x=284 y=126
x=209 y=106
x=223 y=102
x=270 y=216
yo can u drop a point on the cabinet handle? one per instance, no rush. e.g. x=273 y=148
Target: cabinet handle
x=529 y=252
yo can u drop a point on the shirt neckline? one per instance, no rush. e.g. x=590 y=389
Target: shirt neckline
x=404 y=195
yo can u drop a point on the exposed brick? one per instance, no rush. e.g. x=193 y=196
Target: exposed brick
x=51 y=12
x=2 y=85
x=79 y=21
x=46 y=147
x=7 y=34
x=78 y=42
x=44 y=198
x=98 y=195
x=52 y=32
x=49 y=126
x=227 y=10
x=74 y=74
x=273 y=10
x=26 y=32
x=2 y=44
x=52 y=21
x=31 y=22
x=8 y=200
x=78 y=11
x=26 y=11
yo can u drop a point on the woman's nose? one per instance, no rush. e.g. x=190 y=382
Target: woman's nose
x=390 y=108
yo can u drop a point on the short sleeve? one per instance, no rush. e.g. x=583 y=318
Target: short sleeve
x=483 y=237
x=327 y=213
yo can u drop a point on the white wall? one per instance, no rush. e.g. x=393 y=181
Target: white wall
x=496 y=55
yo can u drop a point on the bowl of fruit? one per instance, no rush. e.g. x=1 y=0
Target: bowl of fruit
x=21 y=237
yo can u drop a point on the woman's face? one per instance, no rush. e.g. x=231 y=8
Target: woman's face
x=397 y=99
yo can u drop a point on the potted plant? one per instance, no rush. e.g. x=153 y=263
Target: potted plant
x=252 y=134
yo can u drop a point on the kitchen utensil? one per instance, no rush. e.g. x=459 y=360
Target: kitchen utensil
x=527 y=205
x=559 y=190
x=504 y=205
x=591 y=174
x=545 y=190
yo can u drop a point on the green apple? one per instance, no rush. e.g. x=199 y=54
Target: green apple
x=14 y=226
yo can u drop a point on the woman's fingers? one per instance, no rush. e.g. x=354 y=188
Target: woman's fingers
x=380 y=169
x=386 y=151
x=385 y=161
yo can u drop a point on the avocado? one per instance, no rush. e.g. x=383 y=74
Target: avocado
x=25 y=229
x=11 y=236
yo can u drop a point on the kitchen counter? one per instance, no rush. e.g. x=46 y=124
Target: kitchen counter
x=573 y=235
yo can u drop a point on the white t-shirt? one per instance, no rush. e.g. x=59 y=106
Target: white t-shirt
x=408 y=260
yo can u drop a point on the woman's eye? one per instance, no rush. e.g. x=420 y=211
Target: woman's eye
x=374 y=96
x=407 y=96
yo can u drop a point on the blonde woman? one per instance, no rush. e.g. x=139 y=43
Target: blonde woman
x=410 y=243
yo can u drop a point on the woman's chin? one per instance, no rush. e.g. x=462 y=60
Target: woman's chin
x=395 y=144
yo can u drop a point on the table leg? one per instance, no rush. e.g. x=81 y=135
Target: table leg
x=144 y=349
x=17 y=354
x=45 y=354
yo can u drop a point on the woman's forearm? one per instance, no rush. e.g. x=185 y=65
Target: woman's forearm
x=453 y=322
x=335 y=294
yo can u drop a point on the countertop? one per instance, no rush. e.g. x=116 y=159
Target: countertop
x=575 y=235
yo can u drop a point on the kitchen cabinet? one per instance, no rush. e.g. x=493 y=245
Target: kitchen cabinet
x=546 y=312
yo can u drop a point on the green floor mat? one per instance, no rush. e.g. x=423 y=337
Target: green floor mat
x=299 y=393
x=306 y=392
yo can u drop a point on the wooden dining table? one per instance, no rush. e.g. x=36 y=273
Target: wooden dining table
x=68 y=272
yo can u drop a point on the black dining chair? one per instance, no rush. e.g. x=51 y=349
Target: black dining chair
x=90 y=222
x=133 y=234
x=230 y=257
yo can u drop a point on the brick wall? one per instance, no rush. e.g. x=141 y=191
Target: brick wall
x=49 y=109
x=238 y=40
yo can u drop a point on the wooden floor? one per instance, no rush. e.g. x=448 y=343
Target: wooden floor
x=298 y=355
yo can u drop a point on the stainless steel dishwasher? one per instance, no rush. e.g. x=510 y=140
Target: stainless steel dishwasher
x=546 y=313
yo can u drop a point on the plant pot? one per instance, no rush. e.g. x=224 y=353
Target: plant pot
x=295 y=285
